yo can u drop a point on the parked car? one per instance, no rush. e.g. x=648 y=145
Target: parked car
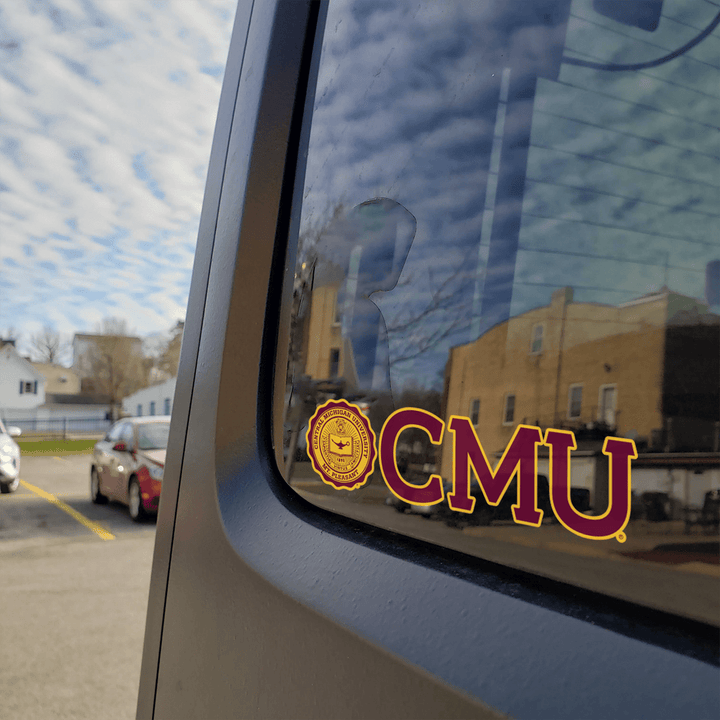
x=128 y=464
x=9 y=459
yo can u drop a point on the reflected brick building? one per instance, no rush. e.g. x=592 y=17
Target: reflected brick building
x=648 y=369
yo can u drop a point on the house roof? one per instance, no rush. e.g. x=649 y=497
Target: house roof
x=7 y=349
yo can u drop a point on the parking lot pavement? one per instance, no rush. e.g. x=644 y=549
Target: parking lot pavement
x=74 y=599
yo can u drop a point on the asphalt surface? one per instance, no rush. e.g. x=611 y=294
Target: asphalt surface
x=75 y=579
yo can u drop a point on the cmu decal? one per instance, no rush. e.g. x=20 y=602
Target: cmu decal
x=341 y=445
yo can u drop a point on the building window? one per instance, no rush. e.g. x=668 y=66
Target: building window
x=28 y=388
x=337 y=315
x=334 y=362
x=167 y=406
x=152 y=407
x=575 y=401
x=475 y=411
x=536 y=341
x=139 y=410
x=509 y=410
x=607 y=404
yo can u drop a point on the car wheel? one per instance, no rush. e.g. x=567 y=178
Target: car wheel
x=95 y=495
x=8 y=487
x=135 y=503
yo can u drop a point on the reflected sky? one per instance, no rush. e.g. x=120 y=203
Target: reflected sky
x=524 y=172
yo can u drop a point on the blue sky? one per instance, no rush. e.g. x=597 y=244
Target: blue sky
x=622 y=189
x=106 y=121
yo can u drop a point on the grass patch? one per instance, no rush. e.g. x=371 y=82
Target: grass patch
x=55 y=447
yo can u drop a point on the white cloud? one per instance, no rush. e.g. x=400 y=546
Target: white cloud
x=89 y=89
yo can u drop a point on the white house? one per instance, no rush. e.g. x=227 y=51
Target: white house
x=22 y=387
x=154 y=400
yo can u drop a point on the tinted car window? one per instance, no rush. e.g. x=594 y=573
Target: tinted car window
x=153 y=436
x=515 y=209
x=115 y=432
x=128 y=436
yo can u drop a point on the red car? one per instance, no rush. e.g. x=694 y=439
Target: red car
x=128 y=464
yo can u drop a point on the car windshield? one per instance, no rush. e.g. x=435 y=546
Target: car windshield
x=153 y=436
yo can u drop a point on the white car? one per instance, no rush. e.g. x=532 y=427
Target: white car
x=9 y=459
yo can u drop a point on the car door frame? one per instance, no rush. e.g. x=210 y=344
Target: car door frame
x=249 y=580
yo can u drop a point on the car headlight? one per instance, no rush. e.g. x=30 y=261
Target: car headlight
x=156 y=472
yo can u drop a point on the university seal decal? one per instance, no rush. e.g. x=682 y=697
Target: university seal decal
x=341 y=445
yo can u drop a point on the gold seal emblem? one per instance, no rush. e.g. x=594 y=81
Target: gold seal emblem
x=341 y=445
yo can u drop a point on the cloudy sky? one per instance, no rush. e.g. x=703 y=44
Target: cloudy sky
x=106 y=121
x=426 y=104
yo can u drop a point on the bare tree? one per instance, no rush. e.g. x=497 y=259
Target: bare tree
x=118 y=367
x=162 y=353
x=170 y=357
x=48 y=346
x=423 y=328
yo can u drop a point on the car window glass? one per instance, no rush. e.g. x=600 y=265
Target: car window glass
x=153 y=436
x=515 y=209
x=127 y=436
x=115 y=432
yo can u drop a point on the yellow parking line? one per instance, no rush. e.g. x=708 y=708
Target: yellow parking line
x=99 y=530
x=61 y=459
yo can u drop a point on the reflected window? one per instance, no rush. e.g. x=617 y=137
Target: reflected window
x=536 y=343
x=334 y=362
x=509 y=410
x=607 y=405
x=575 y=402
x=475 y=411
x=517 y=199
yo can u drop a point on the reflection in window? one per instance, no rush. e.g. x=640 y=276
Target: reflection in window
x=575 y=402
x=475 y=411
x=607 y=405
x=546 y=222
x=537 y=339
x=334 y=362
x=509 y=410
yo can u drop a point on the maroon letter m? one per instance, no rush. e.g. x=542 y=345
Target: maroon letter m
x=520 y=456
